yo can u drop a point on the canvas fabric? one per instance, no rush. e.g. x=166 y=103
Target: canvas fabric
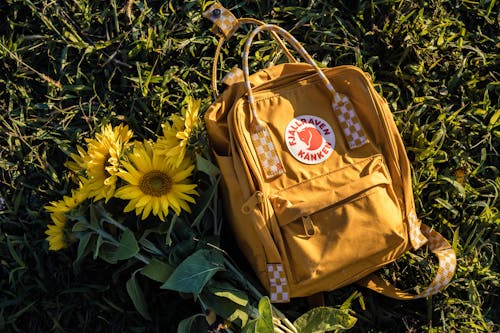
x=315 y=177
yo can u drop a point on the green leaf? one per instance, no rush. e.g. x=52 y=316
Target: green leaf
x=225 y=308
x=14 y=253
x=264 y=323
x=137 y=296
x=168 y=237
x=195 y=271
x=323 y=319
x=203 y=203
x=149 y=246
x=181 y=250
x=251 y=327
x=157 y=270
x=205 y=166
x=83 y=248
x=107 y=251
x=127 y=247
x=98 y=244
x=455 y=184
x=80 y=226
x=195 y=324
x=94 y=220
x=227 y=290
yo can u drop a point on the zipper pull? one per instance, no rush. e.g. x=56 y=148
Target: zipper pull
x=252 y=202
x=308 y=226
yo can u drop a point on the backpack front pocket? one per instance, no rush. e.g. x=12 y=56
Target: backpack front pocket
x=340 y=223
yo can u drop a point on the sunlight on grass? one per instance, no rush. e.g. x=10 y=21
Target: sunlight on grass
x=69 y=68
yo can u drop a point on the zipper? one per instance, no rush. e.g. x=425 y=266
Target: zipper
x=308 y=225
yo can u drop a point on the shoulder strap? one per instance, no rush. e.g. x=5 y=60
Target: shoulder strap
x=447 y=264
x=418 y=233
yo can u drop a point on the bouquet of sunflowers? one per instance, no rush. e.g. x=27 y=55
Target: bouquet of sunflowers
x=153 y=205
x=152 y=177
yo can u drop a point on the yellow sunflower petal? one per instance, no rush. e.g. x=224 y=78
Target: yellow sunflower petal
x=181 y=175
x=184 y=188
x=177 y=122
x=58 y=218
x=129 y=177
x=161 y=215
x=164 y=203
x=185 y=206
x=143 y=201
x=56 y=244
x=128 y=192
x=174 y=203
x=156 y=205
x=146 y=211
x=185 y=197
x=138 y=210
x=53 y=230
x=130 y=206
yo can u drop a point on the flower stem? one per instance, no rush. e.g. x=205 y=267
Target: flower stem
x=110 y=238
x=258 y=295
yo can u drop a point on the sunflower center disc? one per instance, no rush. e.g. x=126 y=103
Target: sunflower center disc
x=155 y=183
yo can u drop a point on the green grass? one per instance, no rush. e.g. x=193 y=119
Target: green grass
x=68 y=67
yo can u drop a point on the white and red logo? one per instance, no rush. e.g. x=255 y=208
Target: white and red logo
x=310 y=139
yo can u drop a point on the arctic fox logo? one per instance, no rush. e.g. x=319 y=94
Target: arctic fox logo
x=311 y=137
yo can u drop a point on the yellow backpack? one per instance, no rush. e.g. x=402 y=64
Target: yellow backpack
x=316 y=180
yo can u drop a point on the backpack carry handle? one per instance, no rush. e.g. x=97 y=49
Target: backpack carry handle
x=223 y=38
x=342 y=107
x=225 y=24
x=295 y=44
x=221 y=41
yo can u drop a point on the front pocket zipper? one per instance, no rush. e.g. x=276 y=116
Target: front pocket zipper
x=313 y=195
x=344 y=239
x=308 y=226
x=340 y=223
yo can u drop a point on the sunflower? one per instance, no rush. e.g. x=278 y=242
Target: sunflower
x=68 y=203
x=173 y=143
x=56 y=233
x=103 y=158
x=79 y=163
x=153 y=185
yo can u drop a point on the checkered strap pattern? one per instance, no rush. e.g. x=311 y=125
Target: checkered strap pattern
x=439 y=246
x=348 y=120
x=421 y=234
x=266 y=151
x=225 y=22
x=417 y=238
x=279 y=292
x=235 y=75
x=447 y=261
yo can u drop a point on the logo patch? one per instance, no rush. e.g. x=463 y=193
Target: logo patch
x=309 y=139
